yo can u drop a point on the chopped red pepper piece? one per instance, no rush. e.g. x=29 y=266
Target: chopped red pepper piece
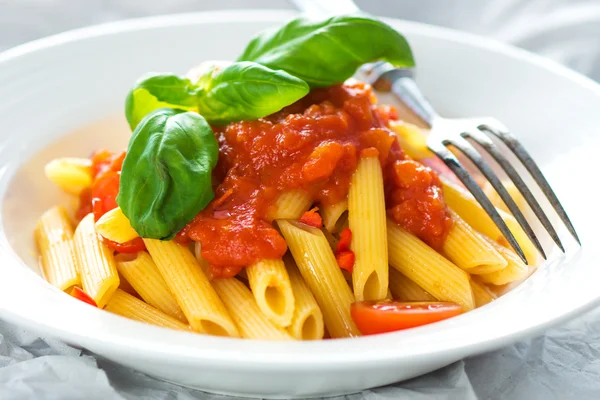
x=82 y=296
x=312 y=218
x=345 y=239
x=345 y=260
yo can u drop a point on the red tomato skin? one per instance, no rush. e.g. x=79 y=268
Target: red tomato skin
x=387 y=316
x=82 y=296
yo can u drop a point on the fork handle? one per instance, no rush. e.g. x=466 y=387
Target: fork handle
x=406 y=90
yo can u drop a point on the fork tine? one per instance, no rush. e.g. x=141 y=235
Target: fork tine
x=452 y=162
x=491 y=176
x=512 y=173
x=517 y=148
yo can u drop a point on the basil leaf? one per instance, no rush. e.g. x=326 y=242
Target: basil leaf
x=324 y=53
x=166 y=175
x=157 y=91
x=246 y=91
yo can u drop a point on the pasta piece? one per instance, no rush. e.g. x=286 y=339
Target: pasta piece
x=141 y=272
x=70 y=174
x=125 y=286
x=389 y=295
x=501 y=290
x=290 y=205
x=307 y=322
x=204 y=264
x=251 y=322
x=53 y=237
x=332 y=240
x=333 y=215
x=367 y=220
x=481 y=294
x=191 y=288
x=465 y=205
x=411 y=139
x=115 y=226
x=128 y=306
x=469 y=251
x=272 y=290
x=515 y=270
x=321 y=273
x=428 y=269
x=95 y=262
x=512 y=191
x=403 y=289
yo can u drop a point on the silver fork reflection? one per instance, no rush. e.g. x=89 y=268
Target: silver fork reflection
x=455 y=132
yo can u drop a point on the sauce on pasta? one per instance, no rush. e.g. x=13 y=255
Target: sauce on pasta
x=314 y=145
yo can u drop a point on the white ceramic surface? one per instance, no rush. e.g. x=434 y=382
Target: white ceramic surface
x=58 y=85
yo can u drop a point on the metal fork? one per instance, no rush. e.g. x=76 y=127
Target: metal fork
x=455 y=132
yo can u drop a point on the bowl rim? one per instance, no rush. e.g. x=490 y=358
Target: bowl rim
x=38 y=310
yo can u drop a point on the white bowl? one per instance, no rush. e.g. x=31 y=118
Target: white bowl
x=56 y=85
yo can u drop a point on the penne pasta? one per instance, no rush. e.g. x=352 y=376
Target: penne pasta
x=481 y=294
x=367 y=220
x=125 y=286
x=333 y=215
x=128 y=306
x=272 y=290
x=321 y=273
x=95 y=262
x=70 y=174
x=290 y=205
x=428 y=269
x=465 y=205
x=141 y=273
x=514 y=271
x=54 y=240
x=332 y=240
x=307 y=322
x=512 y=191
x=244 y=311
x=411 y=139
x=191 y=288
x=115 y=226
x=403 y=289
x=469 y=251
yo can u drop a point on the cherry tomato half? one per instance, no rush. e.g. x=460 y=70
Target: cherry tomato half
x=387 y=316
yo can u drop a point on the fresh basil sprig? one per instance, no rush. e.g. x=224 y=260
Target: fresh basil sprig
x=327 y=52
x=166 y=177
x=239 y=91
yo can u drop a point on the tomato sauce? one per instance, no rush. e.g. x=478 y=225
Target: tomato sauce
x=100 y=198
x=315 y=145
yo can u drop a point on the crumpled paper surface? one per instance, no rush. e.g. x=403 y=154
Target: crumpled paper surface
x=563 y=364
